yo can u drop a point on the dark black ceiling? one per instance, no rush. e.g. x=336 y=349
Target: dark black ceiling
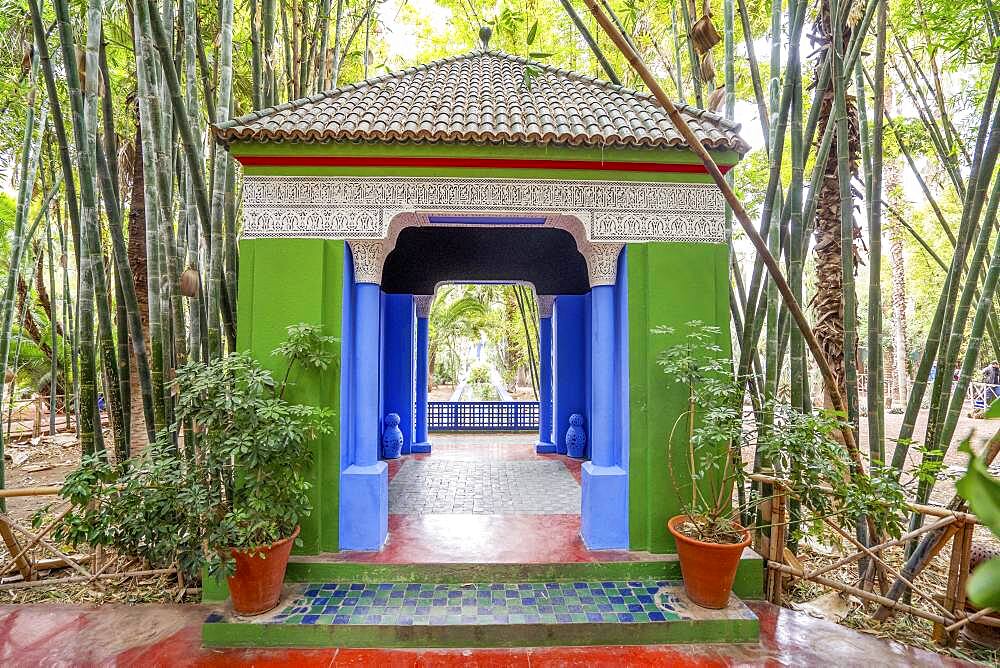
x=426 y=256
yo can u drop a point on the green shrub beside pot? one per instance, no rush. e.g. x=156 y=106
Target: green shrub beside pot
x=225 y=483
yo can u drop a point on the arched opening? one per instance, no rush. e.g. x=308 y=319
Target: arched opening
x=461 y=486
x=526 y=252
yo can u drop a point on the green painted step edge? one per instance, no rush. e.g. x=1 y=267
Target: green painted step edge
x=749 y=583
x=229 y=634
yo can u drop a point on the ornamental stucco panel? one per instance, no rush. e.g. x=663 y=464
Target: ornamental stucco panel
x=364 y=207
x=369 y=212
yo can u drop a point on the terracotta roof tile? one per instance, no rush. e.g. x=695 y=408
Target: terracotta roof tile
x=481 y=97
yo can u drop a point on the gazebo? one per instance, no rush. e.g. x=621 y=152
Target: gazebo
x=358 y=202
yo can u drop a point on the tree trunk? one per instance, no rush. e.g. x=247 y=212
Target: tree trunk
x=828 y=302
x=137 y=262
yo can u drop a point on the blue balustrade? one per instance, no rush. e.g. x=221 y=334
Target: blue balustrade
x=482 y=416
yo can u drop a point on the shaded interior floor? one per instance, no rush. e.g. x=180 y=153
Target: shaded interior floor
x=170 y=635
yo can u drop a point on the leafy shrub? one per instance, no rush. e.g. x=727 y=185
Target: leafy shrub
x=240 y=483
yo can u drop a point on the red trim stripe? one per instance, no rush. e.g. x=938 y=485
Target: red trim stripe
x=468 y=163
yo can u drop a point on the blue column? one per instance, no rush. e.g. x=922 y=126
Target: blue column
x=420 y=376
x=397 y=366
x=569 y=320
x=545 y=444
x=364 y=485
x=604 y=507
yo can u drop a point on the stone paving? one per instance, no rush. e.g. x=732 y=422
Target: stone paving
x=483 y=488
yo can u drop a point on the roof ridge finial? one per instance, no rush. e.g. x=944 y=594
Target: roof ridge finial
x=484 y=37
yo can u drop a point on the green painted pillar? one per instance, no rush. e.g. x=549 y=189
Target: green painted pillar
x=286 y=282
x=669 y=284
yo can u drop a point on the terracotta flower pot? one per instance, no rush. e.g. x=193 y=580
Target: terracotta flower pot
x=255 y=587
x=708 y=569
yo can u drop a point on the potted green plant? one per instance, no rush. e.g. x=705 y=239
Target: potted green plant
x=711 y=531
x=710 y=539
x=228 y=496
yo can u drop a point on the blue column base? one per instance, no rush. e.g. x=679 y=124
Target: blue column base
x=364 y=507
x=604 y=507
x=420 y=448
x=545 y=448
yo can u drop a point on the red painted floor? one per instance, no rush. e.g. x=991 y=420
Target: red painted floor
x=485 y=538
x=534 y=539
x=170 y=635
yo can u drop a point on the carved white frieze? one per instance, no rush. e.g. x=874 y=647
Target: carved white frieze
x=364 y=207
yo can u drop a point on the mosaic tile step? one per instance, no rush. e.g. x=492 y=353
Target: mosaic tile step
x=486 y=614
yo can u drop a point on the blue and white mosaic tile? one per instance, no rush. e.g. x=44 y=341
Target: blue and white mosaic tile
x=413 y=604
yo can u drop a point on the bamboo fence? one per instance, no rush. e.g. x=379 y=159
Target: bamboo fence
x=24 y=569
x=947 y=609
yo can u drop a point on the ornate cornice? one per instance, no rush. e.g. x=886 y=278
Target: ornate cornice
x=337 y=207
x=423 y=305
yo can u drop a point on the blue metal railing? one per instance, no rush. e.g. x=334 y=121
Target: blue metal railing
x=482 y=416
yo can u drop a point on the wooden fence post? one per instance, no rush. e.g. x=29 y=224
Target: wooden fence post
x=36 y=425
x=958 y=573
x=22 y=562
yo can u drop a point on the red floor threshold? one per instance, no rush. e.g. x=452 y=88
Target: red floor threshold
x=170 y=635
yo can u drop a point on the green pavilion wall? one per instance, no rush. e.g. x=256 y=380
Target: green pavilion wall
x=669 y=284
x=285 y=282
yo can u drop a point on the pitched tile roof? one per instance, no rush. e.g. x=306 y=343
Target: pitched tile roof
x=482 y=97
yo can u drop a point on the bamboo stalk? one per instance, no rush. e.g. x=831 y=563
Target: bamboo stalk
x=46 y=490
x=217 y=295
x=774 y=270
x=876 y=386
x=976 y=616
x=13 y=547
x=592 y=44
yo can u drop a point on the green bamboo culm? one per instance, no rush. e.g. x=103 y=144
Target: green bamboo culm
x=30 y=157
x=149 y=121
x=876 y=386
x=216 y=267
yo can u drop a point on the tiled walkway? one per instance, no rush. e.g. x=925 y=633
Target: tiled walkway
x=508 y=535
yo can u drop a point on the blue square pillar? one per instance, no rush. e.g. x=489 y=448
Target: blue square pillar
x=397 y=367
x=545 y=444
x=422 y=304
x=604 y=507
x=569 y=366
x=364 y=483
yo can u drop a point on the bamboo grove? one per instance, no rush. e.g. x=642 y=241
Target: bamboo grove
x=121 y=248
